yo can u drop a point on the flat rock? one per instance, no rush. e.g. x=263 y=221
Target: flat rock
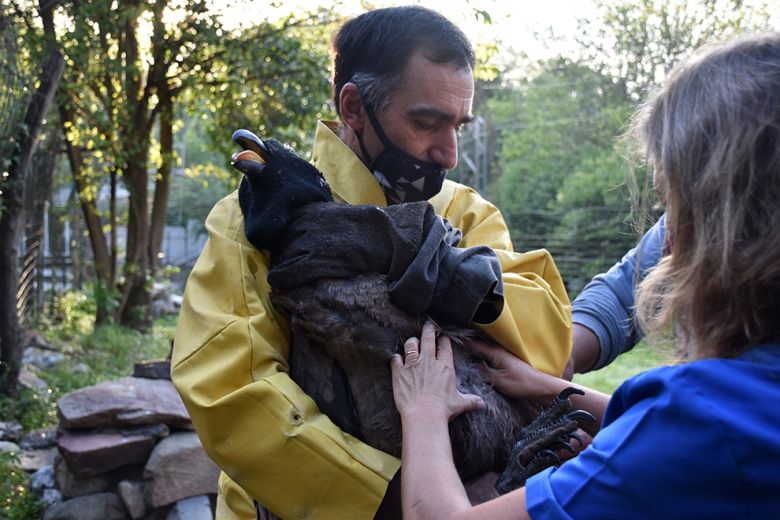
x=51 y=497
x=42 y=358
x=9 y=447
x=193 y=508
x=42 y=480
x=10 y=431
x=126 y=401
x=31 y=338
x=178 y=468
x=29 y=380
x=100 y=506
x=40 y=439
x=94 y=452
x=33 y=460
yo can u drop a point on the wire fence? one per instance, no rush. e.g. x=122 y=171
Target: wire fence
x=599 y=239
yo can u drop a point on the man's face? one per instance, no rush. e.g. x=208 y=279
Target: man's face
x=423 y=117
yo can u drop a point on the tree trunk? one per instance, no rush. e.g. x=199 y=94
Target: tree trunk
x=163 y=180
x=134 y=306
x=113 y=216
x=74 y=247
x=135 y=302
x=103 y=273
x=102 y=268
x=11 y=221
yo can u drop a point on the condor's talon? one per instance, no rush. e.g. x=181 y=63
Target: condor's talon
x=564 y=446
x=549 y=454
x=577 y=415
x=543 y=439
x=569 y=391
x=575 y=435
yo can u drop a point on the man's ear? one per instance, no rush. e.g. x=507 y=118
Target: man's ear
x=351 y=107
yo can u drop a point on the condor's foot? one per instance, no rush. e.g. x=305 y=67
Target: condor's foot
x=540 y=441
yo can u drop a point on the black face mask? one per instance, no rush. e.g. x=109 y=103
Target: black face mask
x=403 y=177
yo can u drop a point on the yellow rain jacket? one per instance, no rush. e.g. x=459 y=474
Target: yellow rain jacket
x=231 y=351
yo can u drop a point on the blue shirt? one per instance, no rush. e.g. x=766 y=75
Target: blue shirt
x=606 y=305
x=698 y=440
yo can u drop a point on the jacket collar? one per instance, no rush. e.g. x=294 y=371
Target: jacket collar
x=349 y=179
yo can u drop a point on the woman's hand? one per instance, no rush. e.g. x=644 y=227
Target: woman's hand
x=424 y=382
x=514 y=377
x=427 y=398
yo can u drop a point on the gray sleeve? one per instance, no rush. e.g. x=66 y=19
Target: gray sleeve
x=606 y=305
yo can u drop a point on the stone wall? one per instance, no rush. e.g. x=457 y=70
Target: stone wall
x=124 y=449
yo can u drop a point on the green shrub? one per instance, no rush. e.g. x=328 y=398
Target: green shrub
x=73 y=314
x=16 y=500
x=29 y=408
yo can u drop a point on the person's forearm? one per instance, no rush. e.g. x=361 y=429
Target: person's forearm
x=430 y=486
x=517 y=379
x=606 y=304
x=585 y=348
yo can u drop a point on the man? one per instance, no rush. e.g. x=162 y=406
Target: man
x=403 y=86
x=603 y=314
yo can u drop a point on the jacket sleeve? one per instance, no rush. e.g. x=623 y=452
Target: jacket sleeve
x=535 y=322
x=230 y=367
x=606 y=305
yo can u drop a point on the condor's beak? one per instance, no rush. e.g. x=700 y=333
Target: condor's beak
x=250 y=142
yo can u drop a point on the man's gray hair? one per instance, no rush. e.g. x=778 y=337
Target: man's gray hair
x=375 y=89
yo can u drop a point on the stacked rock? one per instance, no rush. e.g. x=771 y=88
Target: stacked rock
x=126 y=449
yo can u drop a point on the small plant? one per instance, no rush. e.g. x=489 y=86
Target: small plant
x=29 y=408
x=73 y=313
x=111 y=350
x=17 y=502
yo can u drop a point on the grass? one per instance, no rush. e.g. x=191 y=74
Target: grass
x=108 y=353
x=640 y=358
